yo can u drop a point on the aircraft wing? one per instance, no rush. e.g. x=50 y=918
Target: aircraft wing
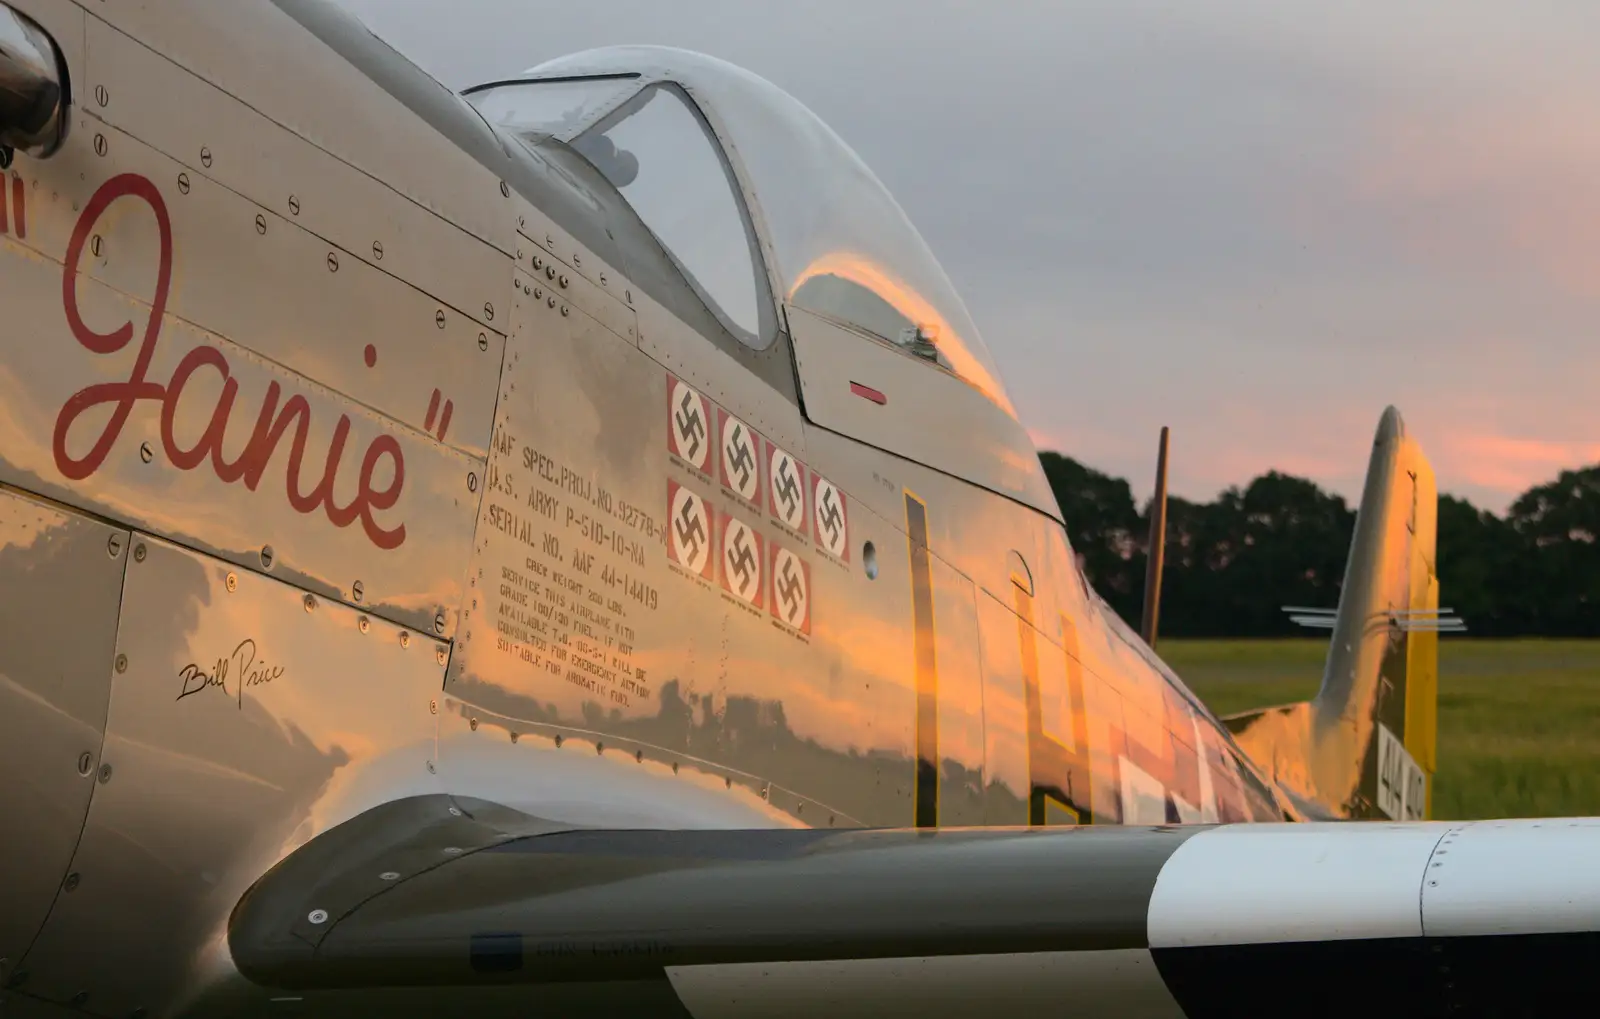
x=436 y=896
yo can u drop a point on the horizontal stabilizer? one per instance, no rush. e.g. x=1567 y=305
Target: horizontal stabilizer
x=1436 y=620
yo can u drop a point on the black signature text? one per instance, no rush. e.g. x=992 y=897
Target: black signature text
x=242 y=667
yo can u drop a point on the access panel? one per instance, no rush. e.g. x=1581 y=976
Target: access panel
x=246 y=716
x=60 y=583
x=860 y=387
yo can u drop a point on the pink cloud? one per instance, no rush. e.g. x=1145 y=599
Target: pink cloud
x=1043 y=440
x=1225 y=444
x=1491 y=465
x=1508 y=464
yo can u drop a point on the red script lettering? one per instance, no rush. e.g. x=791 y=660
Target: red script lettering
x=272 y=422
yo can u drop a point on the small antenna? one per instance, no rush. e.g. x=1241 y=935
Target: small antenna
x=1158 y=548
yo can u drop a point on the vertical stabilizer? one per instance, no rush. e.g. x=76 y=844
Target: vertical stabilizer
x=1365 y=745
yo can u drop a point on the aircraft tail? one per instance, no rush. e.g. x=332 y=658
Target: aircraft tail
x=1365 y=746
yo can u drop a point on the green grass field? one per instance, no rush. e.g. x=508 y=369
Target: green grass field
x=1519 y=720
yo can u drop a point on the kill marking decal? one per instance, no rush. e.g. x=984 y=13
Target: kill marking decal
x=791 y=589
x=743 y=558
x=688 y=425
x=786 y=489
x=689 y=530
x=740 y=458
x=831 y=517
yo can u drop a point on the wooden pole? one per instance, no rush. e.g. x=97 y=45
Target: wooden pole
x=1158 y=548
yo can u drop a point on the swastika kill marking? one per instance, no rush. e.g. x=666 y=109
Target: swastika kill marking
x=831 y=517
x=791 y=589
x=786 y=488
x=688 y=425
x=690 y=539
x=743 y=561
x=740 y=458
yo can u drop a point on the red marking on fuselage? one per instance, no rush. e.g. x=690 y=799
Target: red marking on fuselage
x=271 y=422
x=5 y=224
x=444 y=422
x=370 y=355
x=19 y=206
x=867 y=392
x=433 y=412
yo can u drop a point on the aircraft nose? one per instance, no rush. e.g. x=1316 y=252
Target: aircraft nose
x=60 y=595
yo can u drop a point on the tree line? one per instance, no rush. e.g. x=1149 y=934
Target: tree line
x=1281 y=540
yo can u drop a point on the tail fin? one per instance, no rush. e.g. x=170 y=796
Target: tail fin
x=1365 y=745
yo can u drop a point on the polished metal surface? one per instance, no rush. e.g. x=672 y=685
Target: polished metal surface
x=369 y=136
x=602 y=294
x=33 y=94
x=965 y=771
x=567 y=557
x=588 y=616
x=602 y=779
x=242 y=724
x=292 y=179
x=353 y=327
x=992 y=450
x=771 y=407
x=60 y=586
x=126 y=409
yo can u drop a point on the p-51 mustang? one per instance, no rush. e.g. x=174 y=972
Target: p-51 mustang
x=564 y=549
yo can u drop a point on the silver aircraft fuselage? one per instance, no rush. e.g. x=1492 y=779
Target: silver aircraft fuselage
x=354 y=448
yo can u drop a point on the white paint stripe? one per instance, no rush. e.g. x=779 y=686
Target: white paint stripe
x=1205 y=812
x=1255 y=884
x=1122 y=983
x=1515 y=877
x=1144 y=798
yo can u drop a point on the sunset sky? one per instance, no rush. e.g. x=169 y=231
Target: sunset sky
x=1256 y=222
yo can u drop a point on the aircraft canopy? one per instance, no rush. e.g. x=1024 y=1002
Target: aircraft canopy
x=836 y=241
